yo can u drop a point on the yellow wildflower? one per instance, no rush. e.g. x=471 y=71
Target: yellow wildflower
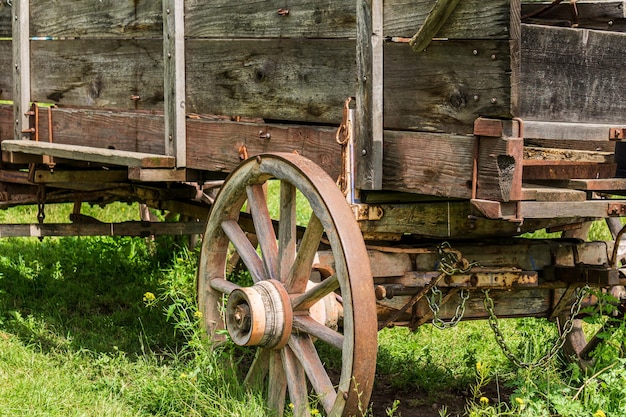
x=484 y=400
x=478 y=366
x=315 y=412
x=519 y=401
x=599 y=413
x=291 y=405
x=149 y=297
x=198 y=314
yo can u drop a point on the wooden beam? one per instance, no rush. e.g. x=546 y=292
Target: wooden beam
x=564 y=170
x=174 y=80
x=540 y=193
x=157 y=174
x=143 y=229
x=606 y=184
x=369 y=94
x=535 y=129
x=89 y=154
x=92 y=176
x=21 y=68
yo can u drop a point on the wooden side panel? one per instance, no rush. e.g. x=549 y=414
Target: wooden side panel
x=473 y=19
x=287 y=79
x=5 y=20
x=603 y=15
x=425 y=163
x=6 y=72
x=282 y=79
x=104 y=73
x=96 y=19
x=573 y=75
x=447 y=87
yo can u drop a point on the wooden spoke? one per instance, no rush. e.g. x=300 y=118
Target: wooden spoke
x=306 y=353
x=284 y=315
x=287 y=236
x=315 y=294
x=308 y=325
x=259 y=368
x=264 y=228
x=296 y=382
x=245 y=249
x=277 y=383
x=301 y=270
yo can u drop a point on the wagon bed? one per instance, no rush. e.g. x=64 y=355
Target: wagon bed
x=450 y=128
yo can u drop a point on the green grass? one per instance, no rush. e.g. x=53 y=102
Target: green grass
x=80 y=335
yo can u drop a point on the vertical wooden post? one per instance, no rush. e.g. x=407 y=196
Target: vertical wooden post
x=174 y=80
x=369 y=100
x=21 y=67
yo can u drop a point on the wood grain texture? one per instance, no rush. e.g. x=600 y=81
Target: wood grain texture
x=282 y=79
x=439 y=90
x=474 y=19
x=5 y=20
x=603 y=15
x=97 y=19
x=571 y=75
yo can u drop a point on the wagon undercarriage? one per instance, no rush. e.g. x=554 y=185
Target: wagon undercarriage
x=421 y=156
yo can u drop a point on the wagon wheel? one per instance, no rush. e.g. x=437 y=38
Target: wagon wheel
x=579 y=344
x=277 y=313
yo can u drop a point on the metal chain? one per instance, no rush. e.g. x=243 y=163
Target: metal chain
x=434 y=301
x=451 y=262
x=567 y=328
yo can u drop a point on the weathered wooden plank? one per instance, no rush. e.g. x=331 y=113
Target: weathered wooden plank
x=607 y=184
x=563 y=170
x=90 y=176
x=298 y=80
x=455 y=220
x=261 y=19
x=6 y=72
x=101 y=229
x=606 y=15
x=216 y=146
x=21 y=69
x=569 y=75
x=5 y=20
x=134 y=131
x=103 y=73
x=540 y=193
x=174 y=80
x=536 y=155
x=438 y=90
x=534 y=129
x=591 y=209
x=89 y=154
x=76 y=18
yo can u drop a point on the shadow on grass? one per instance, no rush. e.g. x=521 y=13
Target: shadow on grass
x=85 y=293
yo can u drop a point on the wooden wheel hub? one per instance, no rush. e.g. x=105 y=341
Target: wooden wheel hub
x=260 y=315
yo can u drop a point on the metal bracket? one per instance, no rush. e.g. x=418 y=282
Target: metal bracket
x=617 y=133
x=363 y=212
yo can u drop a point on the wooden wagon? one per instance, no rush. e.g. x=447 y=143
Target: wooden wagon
x=424 y=136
